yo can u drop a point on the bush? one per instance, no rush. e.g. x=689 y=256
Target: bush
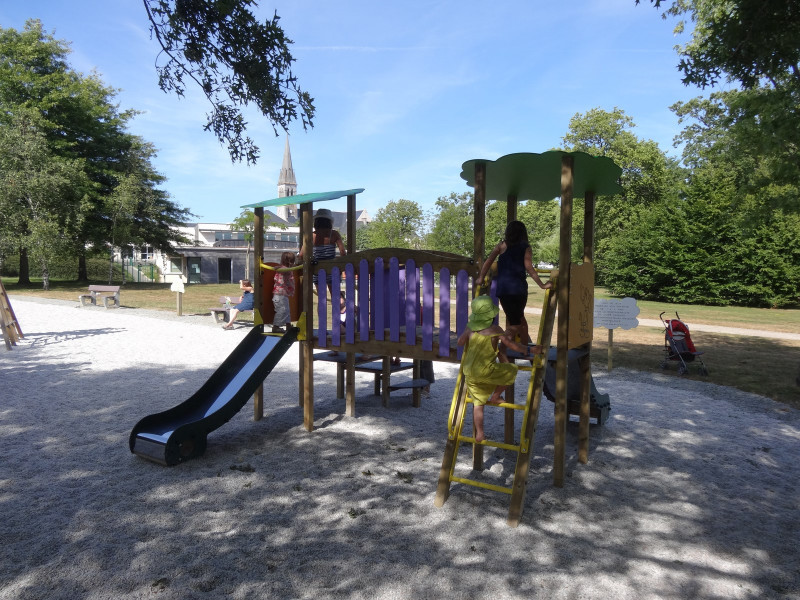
x=10 y=267
x=65 y=268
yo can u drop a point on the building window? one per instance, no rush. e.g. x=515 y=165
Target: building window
x=228 y=235
x=146 y=253
x=175 y=265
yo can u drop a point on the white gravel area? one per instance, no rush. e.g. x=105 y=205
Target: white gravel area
x=691 y=491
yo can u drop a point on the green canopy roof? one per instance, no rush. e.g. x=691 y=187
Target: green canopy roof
x=530 y=176
x=305 y=198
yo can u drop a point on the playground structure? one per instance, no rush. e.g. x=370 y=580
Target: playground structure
x=180 y=433
x=9 y=325
x=392 y=311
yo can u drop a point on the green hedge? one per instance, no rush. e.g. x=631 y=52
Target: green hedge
x=65 y=269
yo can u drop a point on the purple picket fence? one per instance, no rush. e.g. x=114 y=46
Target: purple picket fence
x=391 y=300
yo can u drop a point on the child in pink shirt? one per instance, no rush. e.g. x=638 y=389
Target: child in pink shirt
x=282 y=290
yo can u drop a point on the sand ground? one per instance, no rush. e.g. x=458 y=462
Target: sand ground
x=691 y=490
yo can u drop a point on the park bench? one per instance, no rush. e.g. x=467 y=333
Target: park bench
x=109 y=294
x=222 y=314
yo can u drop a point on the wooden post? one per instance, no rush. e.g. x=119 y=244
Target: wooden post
x=479 y=247
x=585 y=363
x=350 y=370
x=307 y=345
x=258 y=295
x=526 y=450
x=560 y=433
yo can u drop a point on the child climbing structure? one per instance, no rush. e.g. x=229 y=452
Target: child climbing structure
x=390 y=305
x=528 y=176
x=392 y=310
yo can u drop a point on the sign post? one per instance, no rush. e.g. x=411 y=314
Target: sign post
x=612 y=314
x=177 y=286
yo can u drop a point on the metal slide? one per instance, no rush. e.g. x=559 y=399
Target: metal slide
x=180 y=433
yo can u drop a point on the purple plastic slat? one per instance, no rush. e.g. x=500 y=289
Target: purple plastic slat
x=462 y=304
x=400 y=305
x=444 y=312
x=394 y=295
x=412 y=302
x=350 y=293
x=427 y=307
x=322 y=311
x=363 y=299
x=379 y=297
x=371 y=293
x=336 y=318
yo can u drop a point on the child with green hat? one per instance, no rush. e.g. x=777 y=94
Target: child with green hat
x=487 y=379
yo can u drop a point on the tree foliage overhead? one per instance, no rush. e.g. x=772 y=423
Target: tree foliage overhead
x=748 y=41
x=235 y=60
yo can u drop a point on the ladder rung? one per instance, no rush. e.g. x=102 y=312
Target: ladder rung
x=494 y=444
x=481 y=484
x=502 y=405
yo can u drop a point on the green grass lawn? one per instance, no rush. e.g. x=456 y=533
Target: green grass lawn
x=750 y=363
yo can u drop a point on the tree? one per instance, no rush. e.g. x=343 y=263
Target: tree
x=81 y=125
x=541 y=220
x=396 y=225
x=33 y=190
x=235 y=60
x=748 y=41
x=753 y=43
x=453 y=225
x=648 y=178
x=245 y=223
x=755 y=133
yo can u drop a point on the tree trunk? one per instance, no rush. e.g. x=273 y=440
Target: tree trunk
x=45 y=276
x=247 y=262
x=83 y=274
x=24 y=267
x=111 y=265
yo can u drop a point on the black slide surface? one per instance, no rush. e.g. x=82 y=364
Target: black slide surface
x=178 y=434
x=600 y=403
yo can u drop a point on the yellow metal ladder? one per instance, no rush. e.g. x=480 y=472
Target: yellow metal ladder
x=458 y=410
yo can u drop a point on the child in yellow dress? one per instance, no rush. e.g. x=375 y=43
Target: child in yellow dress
x=487 y=379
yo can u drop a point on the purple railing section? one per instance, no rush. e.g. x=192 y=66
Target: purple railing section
x=397 y=298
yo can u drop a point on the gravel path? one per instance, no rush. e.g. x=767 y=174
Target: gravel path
x=691 y=490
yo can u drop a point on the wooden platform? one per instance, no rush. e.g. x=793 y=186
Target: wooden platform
x=380 y=368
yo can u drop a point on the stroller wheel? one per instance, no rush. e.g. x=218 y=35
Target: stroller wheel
x=703 y=371
x=682 y=370
x=665 y=365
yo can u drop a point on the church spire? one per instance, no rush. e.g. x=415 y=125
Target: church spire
x=287 y=185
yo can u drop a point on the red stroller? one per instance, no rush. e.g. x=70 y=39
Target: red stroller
x=678 y=346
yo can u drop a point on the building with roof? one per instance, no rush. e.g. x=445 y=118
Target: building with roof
x=217 y=253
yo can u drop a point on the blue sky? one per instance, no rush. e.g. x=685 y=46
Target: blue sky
x=405 y=91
